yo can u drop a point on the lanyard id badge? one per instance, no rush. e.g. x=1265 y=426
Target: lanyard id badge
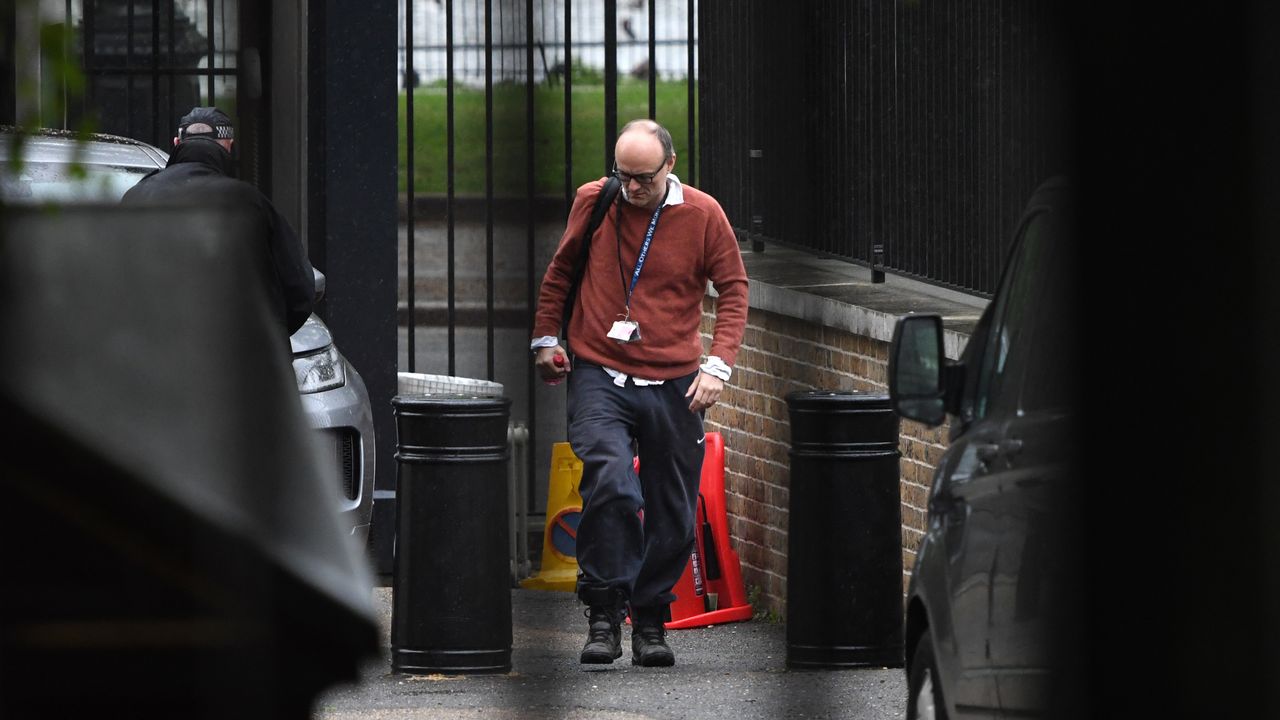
x=627 y=330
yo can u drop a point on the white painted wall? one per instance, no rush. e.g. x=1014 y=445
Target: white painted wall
x=429 y=38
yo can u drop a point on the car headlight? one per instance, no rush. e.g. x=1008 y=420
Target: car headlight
x=322 y=371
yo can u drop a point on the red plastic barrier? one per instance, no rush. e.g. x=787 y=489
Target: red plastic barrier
x=711 y=590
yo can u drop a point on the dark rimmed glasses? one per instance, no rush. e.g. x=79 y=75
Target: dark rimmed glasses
x=643 y=178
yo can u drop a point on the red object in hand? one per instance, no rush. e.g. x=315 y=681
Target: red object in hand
x=559 y=360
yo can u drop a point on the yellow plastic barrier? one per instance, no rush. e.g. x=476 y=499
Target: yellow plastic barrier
x=559 y=569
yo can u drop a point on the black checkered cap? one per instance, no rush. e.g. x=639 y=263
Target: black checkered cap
x=211 y=116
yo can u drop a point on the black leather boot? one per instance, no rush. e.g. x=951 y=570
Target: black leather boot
x=604 y=627
x=604 y=638
x=649 y=637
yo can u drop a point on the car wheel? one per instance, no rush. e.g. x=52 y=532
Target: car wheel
x=924 y=693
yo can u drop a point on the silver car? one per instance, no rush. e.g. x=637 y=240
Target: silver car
x=333 y=394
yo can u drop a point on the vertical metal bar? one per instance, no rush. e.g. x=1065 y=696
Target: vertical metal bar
x=90 y=35
x=823 y=84
x=128 y=70
x=66 y=55
x=987 y=229
x=529 y=152
x=756 y=173
x=998 y=122
x=866 y=159
x=171 y=116
x=155 y=71
x=909 y=255
x=964 y=72
x=694 y=146
x=449 y=173
x=1000 y=129
x=488 y=181
x=653 y=60
x=751 y=120
x=568 y=118
x=933 y=131
x=530 y=250
x=208 y=23
x=890 y=144
x=409 y=88
x=610 y=81
x=874 y=127
x=528 y=114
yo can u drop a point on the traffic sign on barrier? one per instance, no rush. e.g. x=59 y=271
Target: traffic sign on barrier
x=559 y=569
x=562 y=530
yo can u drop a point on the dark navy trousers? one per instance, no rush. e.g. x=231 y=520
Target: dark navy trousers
x=642 y=558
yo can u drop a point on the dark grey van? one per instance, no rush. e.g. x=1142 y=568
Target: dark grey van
x=980 y=603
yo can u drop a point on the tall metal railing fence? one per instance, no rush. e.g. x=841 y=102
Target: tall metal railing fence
x=448 y=45
x=147 y=63
x=906 y=136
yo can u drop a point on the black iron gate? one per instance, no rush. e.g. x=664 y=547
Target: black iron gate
x=533 y=93
x=145 y=63
x=904 y=136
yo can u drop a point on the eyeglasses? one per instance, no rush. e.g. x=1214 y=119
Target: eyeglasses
x=643 y=178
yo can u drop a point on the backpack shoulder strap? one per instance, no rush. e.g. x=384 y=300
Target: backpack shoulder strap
x=606 y=197
x=603 y=201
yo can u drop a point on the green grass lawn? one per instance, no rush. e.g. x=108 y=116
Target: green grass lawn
x=510 y=145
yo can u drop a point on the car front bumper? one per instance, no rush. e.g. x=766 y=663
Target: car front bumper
x=344 y=421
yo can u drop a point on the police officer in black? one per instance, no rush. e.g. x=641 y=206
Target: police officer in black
x=200 y=171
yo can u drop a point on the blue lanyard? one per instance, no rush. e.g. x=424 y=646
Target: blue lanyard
x=644 y=252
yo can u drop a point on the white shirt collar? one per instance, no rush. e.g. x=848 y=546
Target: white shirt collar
x=675 y=191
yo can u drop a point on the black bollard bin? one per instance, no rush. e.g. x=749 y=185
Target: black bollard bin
x=844 y=559
x=451 y=607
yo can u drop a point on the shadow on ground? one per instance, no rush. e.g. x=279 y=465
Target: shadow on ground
x=735 y=670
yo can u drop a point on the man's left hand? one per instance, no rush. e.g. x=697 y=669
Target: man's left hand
x=705 y=391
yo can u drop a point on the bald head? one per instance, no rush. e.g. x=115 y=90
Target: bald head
x=649 y=127
x=644 y=152
x=203 y=131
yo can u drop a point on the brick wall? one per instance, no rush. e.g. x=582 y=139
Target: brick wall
x=781 y=355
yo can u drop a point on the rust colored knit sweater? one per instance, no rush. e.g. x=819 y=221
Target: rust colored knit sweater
x=693 y=243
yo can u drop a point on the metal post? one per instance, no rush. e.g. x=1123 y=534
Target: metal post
x=690 y=102
x=757 y=218
x=653 y=60
x=450 y=181
x=409 y=85
x=610 y=81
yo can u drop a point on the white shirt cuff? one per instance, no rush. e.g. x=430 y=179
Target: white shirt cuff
x=716 y=367
x=544 y=341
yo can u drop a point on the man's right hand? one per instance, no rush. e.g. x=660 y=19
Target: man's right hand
x=553 y=364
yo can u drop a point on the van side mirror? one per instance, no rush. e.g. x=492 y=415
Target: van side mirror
x=319 y=277
x=917 y=388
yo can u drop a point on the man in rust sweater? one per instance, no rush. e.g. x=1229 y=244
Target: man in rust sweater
x=638 y=382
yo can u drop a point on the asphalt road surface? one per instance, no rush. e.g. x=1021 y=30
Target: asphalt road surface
x=732 y=670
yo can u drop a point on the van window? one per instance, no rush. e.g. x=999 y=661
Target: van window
x=1051 y=362
x=1009 y=343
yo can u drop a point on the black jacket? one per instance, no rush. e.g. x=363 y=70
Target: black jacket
x=200 y=170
